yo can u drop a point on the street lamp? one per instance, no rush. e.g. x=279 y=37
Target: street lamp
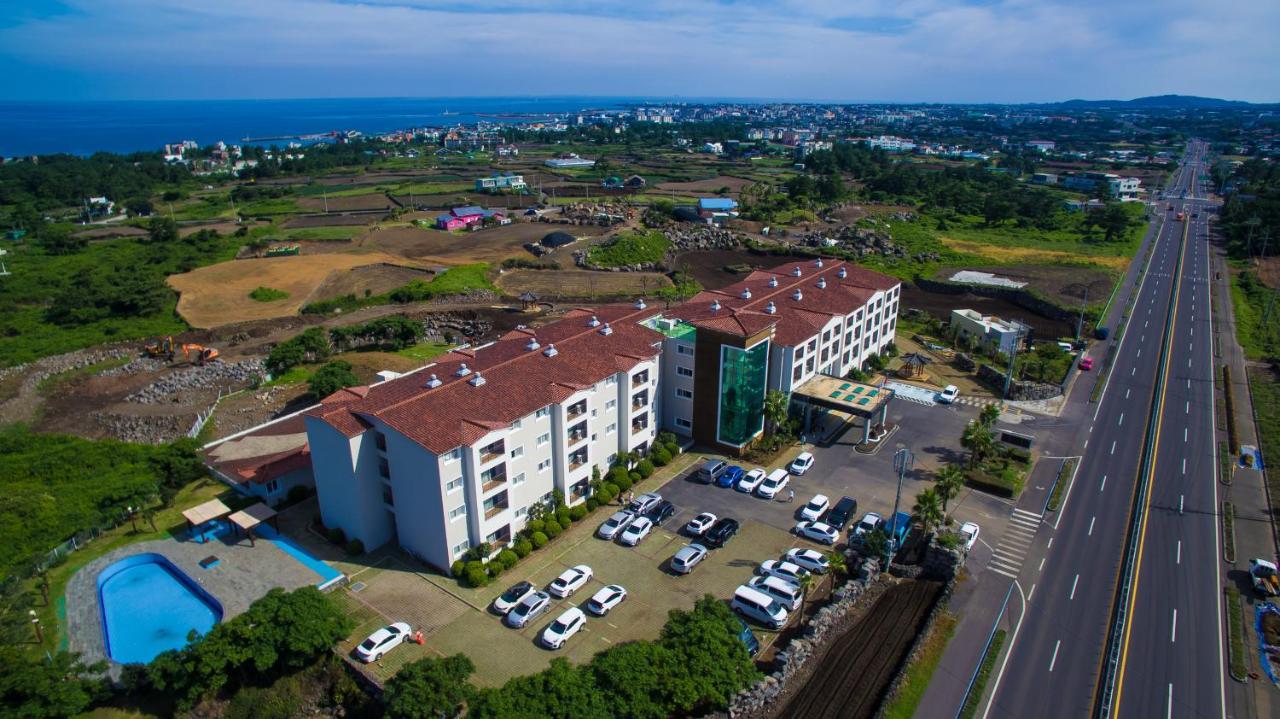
x=35 y=624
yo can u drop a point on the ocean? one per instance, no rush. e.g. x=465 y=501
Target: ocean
x=82 y=128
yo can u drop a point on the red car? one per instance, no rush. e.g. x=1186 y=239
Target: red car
x=1086 y=363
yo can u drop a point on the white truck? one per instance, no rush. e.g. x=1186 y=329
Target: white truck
x=1265 y=578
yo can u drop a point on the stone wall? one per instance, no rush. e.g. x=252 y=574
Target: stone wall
x=1018 y=389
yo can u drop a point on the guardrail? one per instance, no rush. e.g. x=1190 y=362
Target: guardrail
x=986 y=647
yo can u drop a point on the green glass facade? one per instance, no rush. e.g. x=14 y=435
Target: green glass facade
x=743 y=374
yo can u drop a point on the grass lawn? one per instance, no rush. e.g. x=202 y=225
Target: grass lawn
x=630 y=248
x=425 y=351
x=911 y=691
x=323 y=234
x=294 y=375
x=979 y=688
x=1265 y=388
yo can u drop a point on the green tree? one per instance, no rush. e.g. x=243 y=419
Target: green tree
x=430 y=688
x=331 y=378
x=561 y=691
x=978 y=440
x=776 y=403
x=162 y=230
x=928 y=510
x=990 y=413
x=874 y=544
x=635 y=678
x=715 y=664
x=32 y=688
x=839 y=563
x=950 y=481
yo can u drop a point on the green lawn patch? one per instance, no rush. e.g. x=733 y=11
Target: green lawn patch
x=630 y=248
x=53 y=383
x=1265 y=388
x=453 y=281
x=1229 y=532
x=974 y=700
x=1256 y=329
x=1060 y=487
x=425 y=351
x=268 y=294
x=294 y=375
x=1236 y=659
x=905 y=701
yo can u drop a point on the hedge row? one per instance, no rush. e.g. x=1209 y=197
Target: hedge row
x=1233 y=441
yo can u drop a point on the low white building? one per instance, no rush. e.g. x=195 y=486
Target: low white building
x=988 y=330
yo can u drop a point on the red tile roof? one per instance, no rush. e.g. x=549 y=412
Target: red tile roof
x=517 y=379
x=795 y=320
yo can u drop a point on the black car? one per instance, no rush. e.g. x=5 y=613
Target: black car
x=840 y=514
x=661 y=512
x=720 y=533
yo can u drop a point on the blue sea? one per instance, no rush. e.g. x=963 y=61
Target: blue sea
x=82 y=128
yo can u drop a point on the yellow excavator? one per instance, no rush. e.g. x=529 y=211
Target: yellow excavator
x=199 y=354
x=161 y=347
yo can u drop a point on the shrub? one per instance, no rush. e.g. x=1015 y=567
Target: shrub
x=267 y=294
x=475 y=565
x=591 y=504
x=618 y=475
x=624 y=481
x=494 y=569
x=644 y=468
x=523 y=548
x=539 y=540
x=1018 y=454
x=355 y=547
x=661 y=457
x=578 y=512
x=477 y=577
x=535 y=525
x=507 y=558
x=337 y=536
x=553 y=529
x=665 y=437
x=458 y=568
x=605 y=495
x=612 y=488
x=563 y=517
x=635 y=476
x=673 y=448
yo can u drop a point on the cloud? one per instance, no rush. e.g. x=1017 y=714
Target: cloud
x=912 y=50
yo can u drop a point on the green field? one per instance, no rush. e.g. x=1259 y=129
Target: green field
x=630 y=248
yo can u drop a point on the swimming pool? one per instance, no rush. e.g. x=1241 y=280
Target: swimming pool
x=149 y=606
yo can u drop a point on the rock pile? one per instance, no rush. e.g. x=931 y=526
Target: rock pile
x=213 y=376
x=145 y=429
x=446 y=326
x=702 y=237
x=23 y=405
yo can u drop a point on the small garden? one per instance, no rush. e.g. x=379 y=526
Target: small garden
x=629 y=249
x=993 y=467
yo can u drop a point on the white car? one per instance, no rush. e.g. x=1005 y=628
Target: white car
x=801 y=464
x=636 y=531
x=870 y=521
x=529 y=608
x=645 y=502
x=513 y=596
x=605 y=599
x=816 y=507
x=750 y=481
x=820 y=532
x=566 y=625
x=570 y=581
x=810 y=559
x=949 y=394
x=783 y=570
x=683 y=561
x=700 y=524
x=969 y=531
x=773 y=484
x=615 y=524
x=382 y=641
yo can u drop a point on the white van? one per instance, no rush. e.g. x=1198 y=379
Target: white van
x=783 y=592
x=758 y=606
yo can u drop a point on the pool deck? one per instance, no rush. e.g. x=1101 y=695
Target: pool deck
x=242 y=575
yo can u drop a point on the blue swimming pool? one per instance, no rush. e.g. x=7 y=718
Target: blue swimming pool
x=149 y=606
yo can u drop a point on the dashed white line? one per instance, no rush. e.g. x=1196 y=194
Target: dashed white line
x=1104 y=483
x=1031 y=593
x=1184 y=434
x=1091 y=520
x=1133 y=371
x=1126 y=394
x=1121 y=420
x=1113 y=446
x=1188 y=409
x=1139 y=352
x=1177 y=557
x=1054 y=660
x=1074 y=582
x=1173 y=627
x=1184 y=465
x=1050 y=544
x=1169 y=702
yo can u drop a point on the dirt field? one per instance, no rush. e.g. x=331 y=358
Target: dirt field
x=330 y=221
x=376 y=279
x=851 y=679
x=735 y=185
x=104 y=233
x=1269 y=271
x=564 y=284
x=940 y=305
x=371 y=201
x=1068 y=286
x=447 y=248
x=219 y=294
x=1031 y=255
x=708 y=267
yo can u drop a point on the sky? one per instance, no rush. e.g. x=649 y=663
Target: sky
x=826 y=50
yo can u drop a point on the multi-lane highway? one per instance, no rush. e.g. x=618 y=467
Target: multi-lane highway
x=1131 y=483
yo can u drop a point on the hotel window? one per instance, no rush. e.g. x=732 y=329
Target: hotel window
x=453 y=485
x=461 y=547
x=611 y=380
x=522 y=512
x=684 y=393
x=458 y=512
x=684 y=371
x=795 y=376
x=518 y=452
x=453 y=455
x=544 y=465
x=542 y=413
x=610 y=404
x=544 y=438
x=684 y=423
x=517 y=480
x=517 y=424
x=613 y=427
x=684 y=349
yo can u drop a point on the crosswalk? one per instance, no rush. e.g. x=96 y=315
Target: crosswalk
x=976 y=401
x=1012 y=549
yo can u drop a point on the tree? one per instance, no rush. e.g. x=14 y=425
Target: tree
x=430 y=688
x=331 y=378
x=950 y=480
x=776 y=403
x=874 y=544
x=560 y=691
x=838 y=562
x=1114 y=220
x=978 y=440
x=635 y=678
x=807 y=580
x=928 y=510
x=162 y=230
x=34 y=689
x=990 y=413
x=714 y=662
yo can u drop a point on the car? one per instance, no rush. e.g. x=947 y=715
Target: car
x=820 y=532
x=784 y=570
x=566 y=625
x=747 y=638
x=969 y=531
x=710 y=471
x=688 y=557
x=602 y=601
x=948 y=394
x=645 y=503
x=816 y=507
x=661 y=513
x=721 y=532
x=840 y=514
x=570 y=581
x=810 y=559
x=869 y=523
x=898 y=528
x=513 y=596
x=750 y=481
x=1086 y=363
x=635 y=532
x=730 y=476
x=529 y=609
x=801 y=464
x=774 y=483
x=700 y=524
x=382 y=641
x=615 y=524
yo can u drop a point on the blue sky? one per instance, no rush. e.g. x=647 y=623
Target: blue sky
x=845 y=50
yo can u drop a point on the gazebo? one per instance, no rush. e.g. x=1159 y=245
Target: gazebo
x=210 y=511
x=528 y=299
x=913 y=364
x=246 y=519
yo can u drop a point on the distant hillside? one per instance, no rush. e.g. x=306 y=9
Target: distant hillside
x=1164 y=102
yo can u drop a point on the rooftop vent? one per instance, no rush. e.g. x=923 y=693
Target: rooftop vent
x=771 y=308
x=476 y=381
x=795 y=271
x=593 y=322
x=606 y=330
x=551 y=351
x=433 y=382
x=773 y=281
x=842 y=273
x=746 y=293
x=533 y=344
x=715 y=305
x=463 y=371
x=640 y=304
x=817 y=262
x=797 y=295
x=822 y=283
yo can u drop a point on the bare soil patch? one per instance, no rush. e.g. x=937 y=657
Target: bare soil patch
x=708 y=266
x=371 y=201
x=455 y=248
x=105 y=233
x=1066 y=286
x=1269 y=271
x=329 y=221
x=374 y=279
x=555 y=285
x=714 y=184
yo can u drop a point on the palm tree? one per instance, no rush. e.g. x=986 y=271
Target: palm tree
x=988 y=416
x=806 y=583
x=977 y=439
x=839 y=563
x=928 y=510
x=949 y=483
x=775 y=409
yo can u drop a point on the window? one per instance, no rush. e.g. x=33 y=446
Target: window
x=273 y=486
x=518 y=452
x=684 y=393
x=544 y=465
x=522 y=512
x=453 y=455
x=458 y=512
x=461 y=547
x=545 y=411
x=544 y=438
x=453 y=485
x=684 y=349
x=613 y=427
x=795 y=376
x=682 y=422
x=517 y=424
x=517 y=480
x=611 y=380
x=610 y=404
x=594 y=413
x=684 y=371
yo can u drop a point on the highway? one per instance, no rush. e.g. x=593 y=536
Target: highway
x=1066 y=590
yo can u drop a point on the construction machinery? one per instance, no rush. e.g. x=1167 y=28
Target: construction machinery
x=160 y=347
x=1265 y=579
x=199 y=354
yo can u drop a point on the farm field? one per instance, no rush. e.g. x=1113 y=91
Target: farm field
x=456 y=248
x=711 y=186
x=368 y=201
x=583 y=284
x=1033 y=255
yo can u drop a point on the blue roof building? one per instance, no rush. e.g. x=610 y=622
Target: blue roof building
x=717 y=204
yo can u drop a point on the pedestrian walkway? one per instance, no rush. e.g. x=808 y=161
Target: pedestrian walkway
x=976 y=401
x=1012 y=549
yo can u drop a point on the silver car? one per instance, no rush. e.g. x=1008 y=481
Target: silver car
x=615 y=524
x=529 y=609
x=687 y=558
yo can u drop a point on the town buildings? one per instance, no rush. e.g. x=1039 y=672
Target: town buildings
x=464 y=217
x=1122 y=188
x=988 y=331
x=499 y=182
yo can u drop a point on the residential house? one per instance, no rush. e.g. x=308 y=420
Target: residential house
x=988 y=331
x=500 y=182
x=717 y=208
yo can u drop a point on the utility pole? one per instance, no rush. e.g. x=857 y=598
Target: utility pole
x=1080 y=322
x=903 y=460
x=1008 y=377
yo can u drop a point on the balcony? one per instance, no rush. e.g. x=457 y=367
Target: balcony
x=640 y=380
x=493 y=511
x=640 y=401
x=493 y=451
x=577 y=459
x=640 y=425
x=575 y=438
x=492 y=484
x=493 y=478
x=576 y=410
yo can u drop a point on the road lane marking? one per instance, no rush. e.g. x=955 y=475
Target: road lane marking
x=1050 y=544
x=1121 y=420
x=1091 y=520
x=1104 y=483
x=1113 y=446
x=1133 y=371
x=1054 y=660
x=1031 y=593
x=1184 y=465
x=1168 y=712
x=1177 y=558
x=1173 y=627
x=1188 y=409
x=1139 y=354
x=1184 y=434
x=1074 y=582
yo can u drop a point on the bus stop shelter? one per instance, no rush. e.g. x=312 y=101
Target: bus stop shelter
x=855 y=399
x=250 y=517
